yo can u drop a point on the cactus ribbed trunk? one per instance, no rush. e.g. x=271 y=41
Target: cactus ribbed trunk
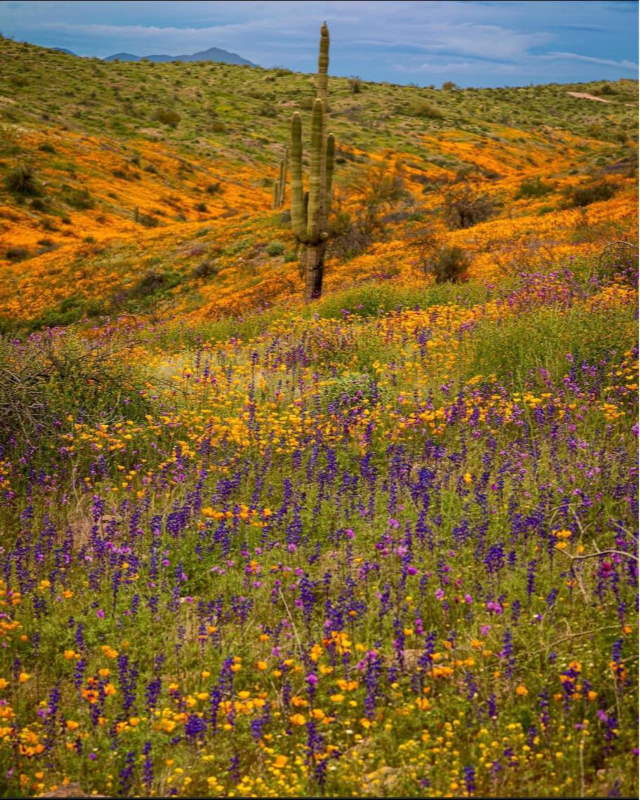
x=310 y=210
x=313 y=270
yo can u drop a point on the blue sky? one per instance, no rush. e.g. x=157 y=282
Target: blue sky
x=474 y=43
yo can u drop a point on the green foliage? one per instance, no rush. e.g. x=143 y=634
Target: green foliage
x=591 y=193
x=426 y=111
x=275 y=248
x=167 y=117
x=374 y=299
x=533 y=187
x=21 y=180
x=79 y=199
x=516 y=349
x=145 y=291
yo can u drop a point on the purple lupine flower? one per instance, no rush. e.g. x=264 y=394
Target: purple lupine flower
x=492 y=710
x=470 y=779
x=195 y=726
x=147 y=766
x=215 y=698
x=126 y=775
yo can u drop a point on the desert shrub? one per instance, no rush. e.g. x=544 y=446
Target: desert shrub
x=21 y=180
x=608 y=89
x=47 y=147
x=206 y=269
x=213 y=188
x=40 y=204
x=79 y=199
x=148 y=220
x=533 y=187
x=290 y=255
x=591 y=193
x=449 y=265
x=426 y=111
x=275 y=249
x=355 y=85
x=202 y=207
x=618 y=261
x=449 y=86
x=70 y=310
x=465 y=207
x=348 y=235
x=379 y=190
x=16 y=253
x=49 y=378
x=167 y=117
x=153 y=282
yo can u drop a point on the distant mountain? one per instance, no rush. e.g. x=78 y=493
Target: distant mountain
x=212 y=54
x=122 y=57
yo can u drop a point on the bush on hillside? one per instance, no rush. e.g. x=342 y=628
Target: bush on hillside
x=464 y=207
x=426 y=111
x=449 y=265
x=591 y=193
x=167 y=117
x=275 y=248
x=51 y=377
x=21 y=180
x=533 y=187
x=16 y=253
x=79 y=199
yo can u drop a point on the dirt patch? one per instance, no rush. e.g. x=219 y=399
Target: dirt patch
x=586 y=96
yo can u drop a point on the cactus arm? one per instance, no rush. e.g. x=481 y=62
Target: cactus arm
x=330 y=160
x=323 y=64
x=298 y=211
x=315 y=172
x=283 y=176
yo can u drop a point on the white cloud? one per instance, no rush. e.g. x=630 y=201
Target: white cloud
x=624 y=64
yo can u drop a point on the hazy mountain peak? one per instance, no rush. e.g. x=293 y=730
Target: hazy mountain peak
x=212 y=54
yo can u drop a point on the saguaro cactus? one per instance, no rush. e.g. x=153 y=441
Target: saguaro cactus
x=310 y=210
x=280 y=185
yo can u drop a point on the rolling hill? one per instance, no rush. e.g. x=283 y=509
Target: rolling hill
x=163 y=167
